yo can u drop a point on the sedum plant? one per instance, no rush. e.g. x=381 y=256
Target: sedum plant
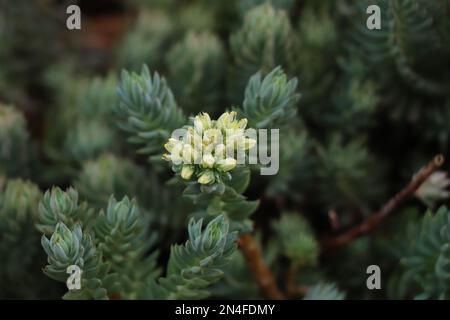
x=263 y=42
x=110 y=246
x=20 y=277
x=196 y=68
x=15 y=152
x=148 y=109
x=425 y=259
x=152 y=28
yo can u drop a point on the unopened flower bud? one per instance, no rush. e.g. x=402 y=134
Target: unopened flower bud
x=434 y=189
x=225 y=120
x=208 y=161
x=242 y=123
x=187 y=171
x=207 y=177
x=227 y=164
x=202 y=122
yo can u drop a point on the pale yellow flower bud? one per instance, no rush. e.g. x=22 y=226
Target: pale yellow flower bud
x=206 y=177
x=202 y=122
x=225 y=120
x=208 y=161
x=227 y=164
x=187 y=172
x=171 y=144
x=242 y=123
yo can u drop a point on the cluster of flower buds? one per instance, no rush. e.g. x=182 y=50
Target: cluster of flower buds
x=209 y=148
x=434 y=189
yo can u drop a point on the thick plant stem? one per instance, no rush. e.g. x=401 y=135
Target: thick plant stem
x=258 y=267
x=374 y=220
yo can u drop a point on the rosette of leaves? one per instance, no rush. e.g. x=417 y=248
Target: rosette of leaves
x=270 y=101
x=324 y=291
x=122 y=238
x=19 y=275
x=109 y=248
x=112 y=251
x=353 y=105
x=315 y=60
x=343 y=173
x=22 y=56
x=263 y=42
x=111 y=175
x=71 y=247
x=147 y=110
x=14 y=143
x=93 y=132
x=296 y=240
x=196 y=68
x=85 y=126
x=99 y=98
x=246 y=5
x=149 y=36
x=68 y=92
x=427 y=260
x=59 y=206
x=144 y=4
x=405 y=58
x=197 y=264
x=79 y=97
x=198 y=16
x=88 y=139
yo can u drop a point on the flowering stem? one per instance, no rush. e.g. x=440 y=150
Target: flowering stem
x=374 y=220
x=258 y=267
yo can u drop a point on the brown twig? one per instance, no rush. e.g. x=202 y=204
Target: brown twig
x=374 y=220
x=258 y=267
x=115 y=296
